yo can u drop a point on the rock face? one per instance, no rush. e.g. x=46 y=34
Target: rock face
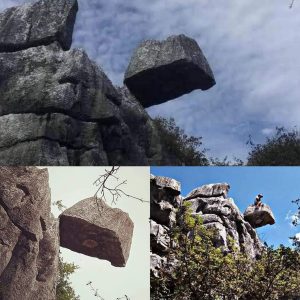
x=161 y=71
x=209 y=190
x=259 y=216
x=212 y=204
x=41 y=23
x=95 y=229
x=220 y=212
x=165 y=199
x=29 y=241
x=73 y=115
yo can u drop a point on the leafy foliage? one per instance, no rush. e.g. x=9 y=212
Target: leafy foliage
x=283 y=149
x=64 y=290
x=296 y=222
x=203 y=271
x=181 y=148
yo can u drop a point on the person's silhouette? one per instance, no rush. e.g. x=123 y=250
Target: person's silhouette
x=258 y=201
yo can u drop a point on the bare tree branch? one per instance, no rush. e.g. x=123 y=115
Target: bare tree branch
x=292 y=3
x=97 y=295
x=109 y=186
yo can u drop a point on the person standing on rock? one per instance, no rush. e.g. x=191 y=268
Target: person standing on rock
x=258 y=201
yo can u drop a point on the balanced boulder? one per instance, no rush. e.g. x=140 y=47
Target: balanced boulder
x=93 y=228
x=259 y=216
x=161 y=71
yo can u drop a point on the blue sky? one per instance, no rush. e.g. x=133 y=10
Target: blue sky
x=252 y=46
x=278 y=185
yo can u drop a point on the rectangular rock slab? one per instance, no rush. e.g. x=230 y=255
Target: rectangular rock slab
x=41 y=23
x=97 y=230
x=161 y=71
x=209 y=190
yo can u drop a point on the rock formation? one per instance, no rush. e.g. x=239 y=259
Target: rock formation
x=259 y=216
x=29 y=241
x=57 y=107
x=216 y=210
x=93 y=228
x=160 y=71
x=30 y=236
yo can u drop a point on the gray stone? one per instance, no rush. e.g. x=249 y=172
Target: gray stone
x=210 y=218
x=259 y=216
x=95 y=229
x=163 y=212
x=222 y=214
x=41 y=23
x=221 y=234
x=168 y=183
x=156 y=263
x=45 y=79
x=21 y=131
x=159 y=238
x=161 y=71
x=29 y=242
x=209 y=190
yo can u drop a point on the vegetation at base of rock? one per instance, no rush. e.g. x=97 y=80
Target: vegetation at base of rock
x=64 y=289
x=197 y=269
x=181 y=148
x=282 y=149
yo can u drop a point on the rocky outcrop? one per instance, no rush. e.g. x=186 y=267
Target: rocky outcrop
x=220 y=212
x=29 y=241
x=259 y=216
x=57 y=107
x=41 y=23
x=30 y=236
x=212 y=204
x=161 y=71
x=93 y=228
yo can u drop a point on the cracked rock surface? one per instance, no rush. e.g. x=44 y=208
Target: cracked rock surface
x=73 y=113
x=40 y=23
x=29 y=241
x=161 y=71
x=95 y=229
x=259 y=216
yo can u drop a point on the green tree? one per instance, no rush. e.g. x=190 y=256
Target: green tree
x=201 y=270
x=180 y=148
x=64 y=290
x=283 y=149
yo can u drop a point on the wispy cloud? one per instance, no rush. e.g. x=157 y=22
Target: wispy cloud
x=252 y=47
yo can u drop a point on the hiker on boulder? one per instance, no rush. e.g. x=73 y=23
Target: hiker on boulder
x=258 y=202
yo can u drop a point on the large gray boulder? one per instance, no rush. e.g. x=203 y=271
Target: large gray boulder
x=259 y=216
x=161 y=71
x=29 y=241
x=210 y=190
x=93 y=228
x=40 y=23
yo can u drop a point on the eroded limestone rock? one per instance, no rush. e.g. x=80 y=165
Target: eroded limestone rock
x=161 y=71
x=259 y=216
x=93 y=228
x=40 y=23
x=29 y=242
x=210 y=190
